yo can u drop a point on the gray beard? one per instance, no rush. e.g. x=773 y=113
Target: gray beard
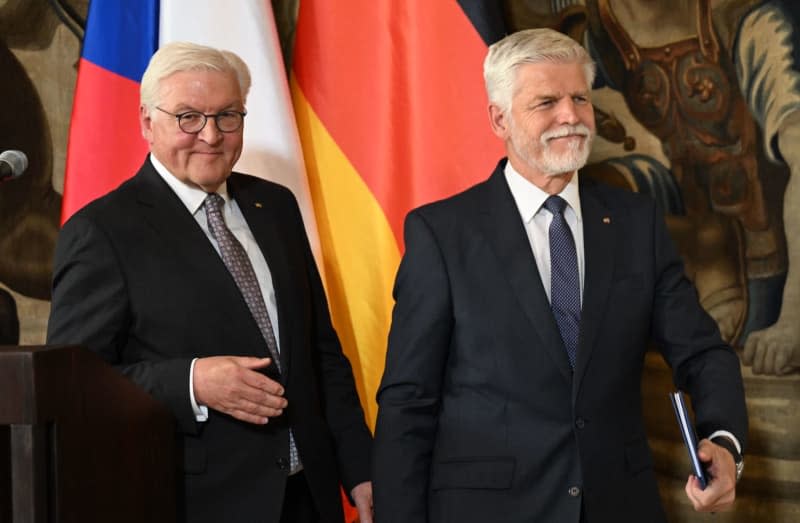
x=552 y=164
x=576 y=157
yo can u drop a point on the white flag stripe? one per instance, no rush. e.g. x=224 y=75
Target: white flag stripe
x=271 y=143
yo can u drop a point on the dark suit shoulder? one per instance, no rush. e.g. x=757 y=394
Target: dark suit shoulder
x=106 y=208
x=255 y=188
x=243 y=181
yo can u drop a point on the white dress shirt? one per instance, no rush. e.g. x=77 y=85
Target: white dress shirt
x=530 y=203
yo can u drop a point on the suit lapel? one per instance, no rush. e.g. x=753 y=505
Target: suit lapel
x=165 y=213
x=263 y=220
x=505 y=232
x=599 y=225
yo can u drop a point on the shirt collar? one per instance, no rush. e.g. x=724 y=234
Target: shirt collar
x=529 y=198
x=191 y=196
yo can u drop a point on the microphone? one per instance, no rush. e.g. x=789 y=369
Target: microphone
x=12 y=164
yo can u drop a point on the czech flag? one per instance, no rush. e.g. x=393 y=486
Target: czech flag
x=105 y=144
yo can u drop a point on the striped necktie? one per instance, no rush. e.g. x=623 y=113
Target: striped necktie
x=238 y=264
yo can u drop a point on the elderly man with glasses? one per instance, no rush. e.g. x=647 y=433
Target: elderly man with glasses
x=198 y=283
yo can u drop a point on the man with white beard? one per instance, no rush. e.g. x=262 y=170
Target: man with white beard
x=524 y=309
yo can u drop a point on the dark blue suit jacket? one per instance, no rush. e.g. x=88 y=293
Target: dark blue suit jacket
x=481 y=417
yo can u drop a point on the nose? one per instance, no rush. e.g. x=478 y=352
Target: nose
x=568 y=111
x=210 y=133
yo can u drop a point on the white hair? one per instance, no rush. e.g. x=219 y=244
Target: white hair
x=531 y=46
x=176 y=57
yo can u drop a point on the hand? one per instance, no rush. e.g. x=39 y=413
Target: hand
x=230 y=384
x=721 y=489
x=774 y=350
x=362 y=495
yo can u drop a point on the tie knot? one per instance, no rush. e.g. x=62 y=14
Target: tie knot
x=214 y=202
x=555 y=204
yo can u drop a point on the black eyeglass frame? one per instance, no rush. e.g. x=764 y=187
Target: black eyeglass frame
x=216 y=116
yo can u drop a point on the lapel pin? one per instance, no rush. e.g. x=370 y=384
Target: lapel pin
x=606 y=220
x=258 y=205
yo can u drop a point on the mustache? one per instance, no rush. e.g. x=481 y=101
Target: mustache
x=566 y=130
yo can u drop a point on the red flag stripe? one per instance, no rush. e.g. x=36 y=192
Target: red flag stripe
x=399 y=87
x=105 y=147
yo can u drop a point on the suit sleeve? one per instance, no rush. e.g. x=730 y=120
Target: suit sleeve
x=702 y=363
x=90 y=307
x=410 y=394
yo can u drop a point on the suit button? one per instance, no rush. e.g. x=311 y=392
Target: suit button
x=580 y=423
x=574 y=492
x=282 y=463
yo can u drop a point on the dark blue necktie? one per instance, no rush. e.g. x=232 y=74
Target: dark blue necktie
x=565 y=283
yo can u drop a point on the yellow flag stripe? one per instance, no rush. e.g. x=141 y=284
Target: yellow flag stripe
x=359 y=250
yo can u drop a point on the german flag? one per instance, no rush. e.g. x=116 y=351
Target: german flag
x=392 y=114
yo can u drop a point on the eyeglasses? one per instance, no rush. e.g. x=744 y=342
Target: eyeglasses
x=192 y=122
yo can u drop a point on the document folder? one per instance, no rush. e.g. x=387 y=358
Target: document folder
x=689 y=437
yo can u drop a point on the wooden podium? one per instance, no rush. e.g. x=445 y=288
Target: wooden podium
x=79 y=442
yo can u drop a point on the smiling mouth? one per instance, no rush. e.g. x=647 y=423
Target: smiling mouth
x=566 y=138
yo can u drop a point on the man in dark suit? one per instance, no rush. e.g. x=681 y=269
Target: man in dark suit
x=199 y=285
x=524 y=308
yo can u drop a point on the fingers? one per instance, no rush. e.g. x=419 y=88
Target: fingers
x=271 y=407
x=712 y=499
x=230 y=384
x=250 y=412
x=692 y=485
x=250 y=362
x=257 y=380
x=247 y=417
x=720 y=493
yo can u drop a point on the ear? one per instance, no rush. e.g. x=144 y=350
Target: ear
x=499 y=121
x=146 y=123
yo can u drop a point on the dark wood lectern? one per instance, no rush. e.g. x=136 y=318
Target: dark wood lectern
x=79 y=442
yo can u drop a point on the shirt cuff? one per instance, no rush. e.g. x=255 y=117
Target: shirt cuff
x=201 y=411
x=729 y=436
